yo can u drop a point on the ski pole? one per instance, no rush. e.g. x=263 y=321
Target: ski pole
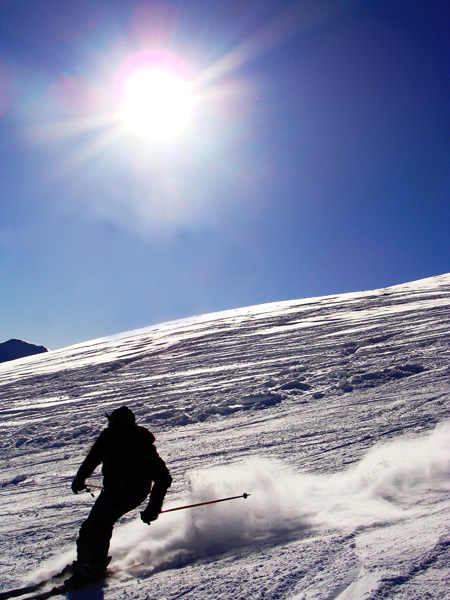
x=167 y=510
x=245 y=496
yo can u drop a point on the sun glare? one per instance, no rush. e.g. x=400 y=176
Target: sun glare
x=155 y=97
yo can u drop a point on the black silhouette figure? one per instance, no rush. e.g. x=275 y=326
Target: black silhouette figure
x=132 y=469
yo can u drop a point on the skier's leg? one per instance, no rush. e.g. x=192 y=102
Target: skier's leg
x=95 y=533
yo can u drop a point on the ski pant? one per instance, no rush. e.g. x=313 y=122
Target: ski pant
x=95 y=533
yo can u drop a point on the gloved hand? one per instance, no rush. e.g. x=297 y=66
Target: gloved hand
x=78 y=485
x=150 y=514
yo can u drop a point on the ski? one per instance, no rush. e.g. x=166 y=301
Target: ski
x=61 y=588
x=20 y=591
x=58 y=589
x=33 y=587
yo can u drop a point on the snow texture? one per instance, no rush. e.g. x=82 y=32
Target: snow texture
x=331 y=412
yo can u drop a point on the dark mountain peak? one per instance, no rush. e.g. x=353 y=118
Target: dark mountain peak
x=13 y=349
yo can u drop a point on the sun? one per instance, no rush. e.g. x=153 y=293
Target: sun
x=155 y=96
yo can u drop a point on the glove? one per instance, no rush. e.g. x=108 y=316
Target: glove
x=78 y=485
x=150 y=514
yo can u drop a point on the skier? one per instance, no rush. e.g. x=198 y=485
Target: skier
x=130 y=466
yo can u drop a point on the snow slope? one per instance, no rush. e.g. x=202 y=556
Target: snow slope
x=332 y=412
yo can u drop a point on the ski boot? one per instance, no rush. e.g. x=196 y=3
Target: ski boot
x=87 y=571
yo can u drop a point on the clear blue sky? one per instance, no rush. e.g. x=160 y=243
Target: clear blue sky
x=316 y=160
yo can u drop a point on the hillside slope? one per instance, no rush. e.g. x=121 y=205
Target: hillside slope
x=332 y=412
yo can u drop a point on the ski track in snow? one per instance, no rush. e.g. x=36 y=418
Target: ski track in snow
x=332 y=412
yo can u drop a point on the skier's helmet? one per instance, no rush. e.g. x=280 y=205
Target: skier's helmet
x=121 y=416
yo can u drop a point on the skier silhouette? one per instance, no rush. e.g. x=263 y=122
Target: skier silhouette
x=132 y=468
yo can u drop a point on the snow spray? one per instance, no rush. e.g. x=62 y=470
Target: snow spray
x=386 y=485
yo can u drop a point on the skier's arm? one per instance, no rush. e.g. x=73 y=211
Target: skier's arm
x=90 y=463
x=162 y=482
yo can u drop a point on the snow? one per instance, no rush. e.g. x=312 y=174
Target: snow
x=331 y=412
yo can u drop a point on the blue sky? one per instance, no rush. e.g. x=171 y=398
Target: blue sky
x=316 y=160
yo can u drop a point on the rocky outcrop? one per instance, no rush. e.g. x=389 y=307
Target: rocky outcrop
x=13 y=349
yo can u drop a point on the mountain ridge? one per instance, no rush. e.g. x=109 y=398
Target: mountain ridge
x=14 y=349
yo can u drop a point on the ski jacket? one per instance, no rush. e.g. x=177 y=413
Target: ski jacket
x=130 y=463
